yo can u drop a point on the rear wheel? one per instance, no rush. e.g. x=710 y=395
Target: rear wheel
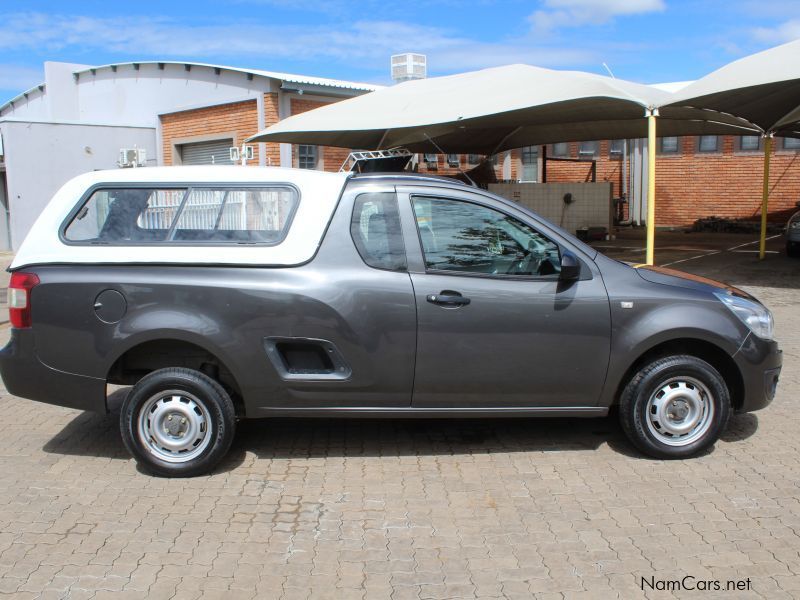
x=178 y=422
x=675 y=407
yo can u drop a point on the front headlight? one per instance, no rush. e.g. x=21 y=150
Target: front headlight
x=756 y=316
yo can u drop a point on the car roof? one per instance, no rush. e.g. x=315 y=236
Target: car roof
x=208 y=174
x=409 y=177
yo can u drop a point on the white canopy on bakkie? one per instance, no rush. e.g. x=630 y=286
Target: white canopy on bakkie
x=185 y=215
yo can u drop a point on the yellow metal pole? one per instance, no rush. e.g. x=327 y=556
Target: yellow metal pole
x=651 y=185
x=762 y=245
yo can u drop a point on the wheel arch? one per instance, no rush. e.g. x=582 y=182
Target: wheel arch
x=146 y=354
x=703 y=349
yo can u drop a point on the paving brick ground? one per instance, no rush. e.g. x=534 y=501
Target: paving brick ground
x=410 y=509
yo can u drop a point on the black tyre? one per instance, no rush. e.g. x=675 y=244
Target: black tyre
x=793 y=249
x=178 y=422
x=675 y=407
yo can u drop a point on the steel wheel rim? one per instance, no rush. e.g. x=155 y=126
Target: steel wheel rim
x=175 y=426
x=680 y=411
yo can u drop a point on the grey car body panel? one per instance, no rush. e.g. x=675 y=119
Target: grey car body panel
x=521 y=347
x=520 y=342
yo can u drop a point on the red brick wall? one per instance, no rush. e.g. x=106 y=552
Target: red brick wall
x=692 y=185
x=332 y=158
x=271 y=117
x=442 y=168
x=689 y=185
x=727 y=184
x=608 y=169
x=239 y=118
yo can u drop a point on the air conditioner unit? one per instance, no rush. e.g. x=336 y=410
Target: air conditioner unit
x=236 y=153
x=408 y=66
x=132 y=157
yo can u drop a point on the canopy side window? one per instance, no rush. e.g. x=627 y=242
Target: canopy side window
x=133 y=216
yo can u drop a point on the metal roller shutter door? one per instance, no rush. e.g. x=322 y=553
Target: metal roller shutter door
x=216 y=152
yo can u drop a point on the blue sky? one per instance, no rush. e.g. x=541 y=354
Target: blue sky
x=642 y=40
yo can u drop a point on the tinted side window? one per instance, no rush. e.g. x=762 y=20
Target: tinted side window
x=470 y=238
x=375 y=227
x=115 y=215
x=142 y=215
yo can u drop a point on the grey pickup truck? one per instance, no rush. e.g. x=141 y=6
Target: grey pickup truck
x=229 y=293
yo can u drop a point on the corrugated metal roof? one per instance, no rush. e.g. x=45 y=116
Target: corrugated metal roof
x=304 y=79
x=23 y=95
x=288 y=77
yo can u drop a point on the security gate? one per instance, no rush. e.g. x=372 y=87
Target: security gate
x=215 y=152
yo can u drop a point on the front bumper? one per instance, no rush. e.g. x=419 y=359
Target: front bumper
x=24 y=375
x=759 y=362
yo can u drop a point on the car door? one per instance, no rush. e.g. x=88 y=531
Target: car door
x=496 y=326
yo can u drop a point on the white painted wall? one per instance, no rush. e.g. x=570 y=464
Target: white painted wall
x=591 y=202
x=41 y=157
x=138 y=97
x=132 y=97
x=45 y=134
x=5 y=233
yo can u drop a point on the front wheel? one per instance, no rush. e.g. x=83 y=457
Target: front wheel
x=177 y=422
x=675 y=407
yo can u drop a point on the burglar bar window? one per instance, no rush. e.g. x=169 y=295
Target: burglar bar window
x=616 y=148
x=307 y=157
x=791 y=144
x=473 y=159
x=588 y=149
x=453 y=160
x=669 y=145
x=559 y=149
x=708 y=143
x=430 y=158
x=749 y=143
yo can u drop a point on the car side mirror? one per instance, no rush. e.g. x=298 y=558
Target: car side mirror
x=570 y=267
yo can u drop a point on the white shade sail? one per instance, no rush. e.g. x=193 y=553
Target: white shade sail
x=763 y=88
x=495 y=109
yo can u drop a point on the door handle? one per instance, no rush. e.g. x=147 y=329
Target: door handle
x=448 y=298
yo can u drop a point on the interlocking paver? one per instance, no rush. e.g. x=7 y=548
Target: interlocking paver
x=404 y=509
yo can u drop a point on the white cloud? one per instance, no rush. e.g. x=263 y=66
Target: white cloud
x=363 y=43
x=785 y=32
x=576 y=13
x=15 y=79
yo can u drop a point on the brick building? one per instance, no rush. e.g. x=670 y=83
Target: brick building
x=83 y=118
x=178 y=113
x=696 y=177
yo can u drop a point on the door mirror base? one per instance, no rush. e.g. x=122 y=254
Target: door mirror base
x=570 y=267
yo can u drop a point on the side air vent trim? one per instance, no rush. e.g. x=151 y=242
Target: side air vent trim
x=306 y=359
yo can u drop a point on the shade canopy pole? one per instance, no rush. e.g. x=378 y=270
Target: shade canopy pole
x=762 y=242
x=652 y=115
